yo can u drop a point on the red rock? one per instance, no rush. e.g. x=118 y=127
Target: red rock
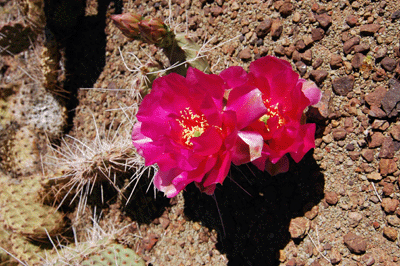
x=374 y=176
x=296 y=56
x=164 y=222
x=276 y=28
x=376 y=225
x=389 y=64
x=150 y=241
x=317 y=63
x=335 y=257
x=355 y=243
x=387 y=166
x=348 y=46
x=395 y=132
x=317 y=34
x=307 y=57
x=311 y=214
x=361 y=48
x=289 y=50
x=354 y=155
x=357 y=60
x=300 y=45
x=369 y=29
x=286 y=9
x=298 y=227
x=343 y=85
x=264 y=27
x=376 y=140
x=368 y=155
x=301 y=67
x=245 y=54
x=395 y=15
x=392 y=98
x=376 y=112
x=390 y=233
x=336 y=61
x=387 y=148
x=320 y=111
x=339 y=134
x=380 y=52
x=388 y=189
x=216 y=11
x=315 y=7
x=390 y=205
x=331 y=197
x=280 y=50
x=374 y=98
x=352 y=20
x=318 y=75
x=368 y=260
x=324 y=20
x=291 y=262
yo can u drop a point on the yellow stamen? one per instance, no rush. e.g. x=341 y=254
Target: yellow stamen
x=272 y=111
x=193 y=125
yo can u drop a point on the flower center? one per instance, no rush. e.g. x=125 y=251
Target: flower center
x=272 y=111
x=193 y=125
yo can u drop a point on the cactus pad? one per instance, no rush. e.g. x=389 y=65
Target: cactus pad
x=32 y=219
x=114 y=254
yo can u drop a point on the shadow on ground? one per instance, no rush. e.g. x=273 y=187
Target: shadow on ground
x=255 y=226
x=83 y=41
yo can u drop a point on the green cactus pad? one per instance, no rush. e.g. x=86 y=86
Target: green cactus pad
x=191 y=50
x=114 y=254
x=32 y=219
x=26 y=251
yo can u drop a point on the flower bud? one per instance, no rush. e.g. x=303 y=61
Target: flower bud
x=153 y=30
x=128 y=24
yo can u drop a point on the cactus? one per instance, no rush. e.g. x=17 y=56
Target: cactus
x=20 y=151
x=24 y=219
x=34 y=12
x=25 y=251
x=32 y=219
x=86 y=168
x=114 y=254
x=180 y=50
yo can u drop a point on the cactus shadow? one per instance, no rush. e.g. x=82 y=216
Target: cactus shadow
x=255 y=227
x=142 y=203
x=82 y=40
x=15 y=38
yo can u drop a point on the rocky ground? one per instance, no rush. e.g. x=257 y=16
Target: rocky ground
x=339 y=205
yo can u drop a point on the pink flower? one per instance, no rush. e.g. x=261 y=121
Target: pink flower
x=285 y=96
x=187 y=127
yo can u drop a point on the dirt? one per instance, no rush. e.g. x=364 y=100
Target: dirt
x=339 y=205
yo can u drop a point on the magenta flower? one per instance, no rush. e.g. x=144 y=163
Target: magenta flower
x=285 y=96
x=187 y=127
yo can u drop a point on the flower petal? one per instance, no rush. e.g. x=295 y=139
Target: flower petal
x=248 y=147
x=247 y=104
x=311 y=91
x=234 y=76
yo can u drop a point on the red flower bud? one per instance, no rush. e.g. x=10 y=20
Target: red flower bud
x=152 y=30
x=128 y=24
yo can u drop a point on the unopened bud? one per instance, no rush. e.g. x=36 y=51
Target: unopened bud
x=128 y=24
x=153 y=30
